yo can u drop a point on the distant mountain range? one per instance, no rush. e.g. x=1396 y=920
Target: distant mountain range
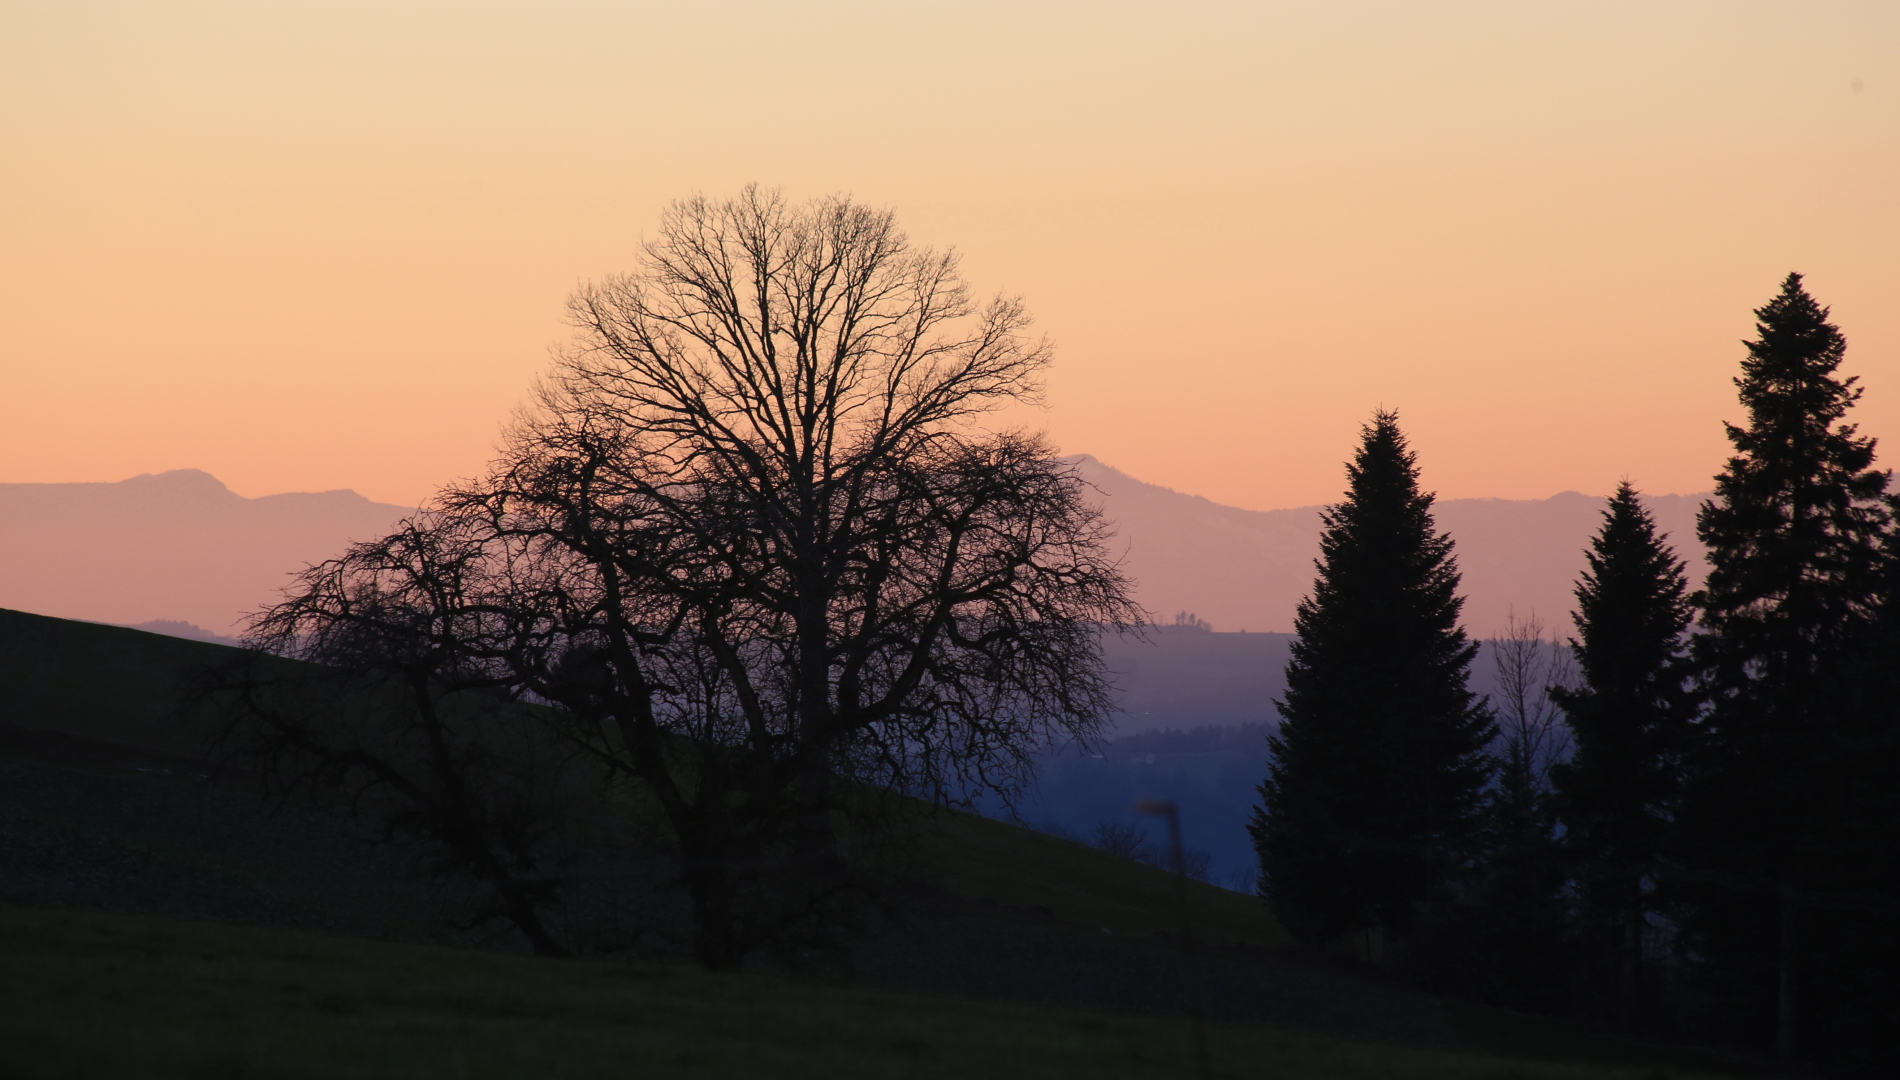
x=1188 y=677
x=1247 y=569
x=189 y=631
x=176 y=547
x=180 y=546
x=1184 y=677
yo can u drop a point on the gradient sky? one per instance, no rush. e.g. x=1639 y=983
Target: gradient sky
x=318 y=245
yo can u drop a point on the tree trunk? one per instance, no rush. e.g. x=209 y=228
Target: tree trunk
x=524 y=916
x=815 y=848
x=716 y=945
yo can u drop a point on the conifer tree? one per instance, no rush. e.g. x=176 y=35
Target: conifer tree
x=1374 y=795
x=1794 y=538
x=1794 y=530
x=1630 y=719
x=1848 y=944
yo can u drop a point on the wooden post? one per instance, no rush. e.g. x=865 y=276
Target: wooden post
x=1190 y=975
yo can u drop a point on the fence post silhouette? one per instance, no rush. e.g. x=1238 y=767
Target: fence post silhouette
x=1190 y=973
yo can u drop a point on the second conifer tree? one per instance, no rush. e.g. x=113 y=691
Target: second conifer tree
x=1631 y=720
x=1374 y=796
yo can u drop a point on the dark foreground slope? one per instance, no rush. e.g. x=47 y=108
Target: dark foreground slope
x=104 y=802
x=88 y=994
x=109 y=683
x=1002 y=914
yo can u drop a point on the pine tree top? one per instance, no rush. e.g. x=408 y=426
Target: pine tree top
x=1794 y=529
x=1633 y=588
x=1381 y=543
x=1788 y=382
x=1632 y=611
x=1384 y=612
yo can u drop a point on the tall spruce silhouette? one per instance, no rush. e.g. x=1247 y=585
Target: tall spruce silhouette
x=1794 y=536
x=1631 y=716
x=1374 y=793
x=1849 y=944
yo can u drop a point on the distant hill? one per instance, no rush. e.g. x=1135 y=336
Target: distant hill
x=1178 y=677
x=188 y=631
x=1196 y=707
x=1247 y=569
x=176 y=547
x=181 y=547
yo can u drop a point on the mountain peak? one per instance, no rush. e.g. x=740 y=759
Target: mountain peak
x=1240 y=567
x=194 y=480
x=175 y=546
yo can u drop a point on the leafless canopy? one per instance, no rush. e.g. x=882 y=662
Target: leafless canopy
x=756 y=544
x=1532 y=735
x=763 y=441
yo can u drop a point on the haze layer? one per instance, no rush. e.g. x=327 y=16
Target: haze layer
x=180 y=545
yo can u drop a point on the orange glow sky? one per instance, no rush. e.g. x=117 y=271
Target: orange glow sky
x=316 y=245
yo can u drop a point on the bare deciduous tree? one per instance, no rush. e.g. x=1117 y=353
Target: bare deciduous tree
x=397 y=704
x=1532 y=735
x=756 y=550
x=1121 y=840
x=1506 y=938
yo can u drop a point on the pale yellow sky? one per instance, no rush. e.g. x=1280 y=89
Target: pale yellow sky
x=307 y=246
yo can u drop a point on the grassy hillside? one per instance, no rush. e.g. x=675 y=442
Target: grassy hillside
x=112 y=689
x=86 y=994
x=100 y=682
x=1026 y=922
x=117 y=684
x=976 y=856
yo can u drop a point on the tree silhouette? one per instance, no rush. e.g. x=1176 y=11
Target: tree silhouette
x=373 y=687
x=1631 y=719
x=1375 y=788
x=755 y=553
x=1532 y=737
x=1794 y=538
x=1506 y=944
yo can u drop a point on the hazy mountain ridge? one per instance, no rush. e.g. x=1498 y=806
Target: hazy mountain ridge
x=171 y=550
x=1196 y=707
x=188 y=631
x=181 y=546
x=1175 y=677
x=176 y=546
x=1248 y=569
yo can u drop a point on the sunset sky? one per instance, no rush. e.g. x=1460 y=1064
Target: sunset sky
x=306 y=246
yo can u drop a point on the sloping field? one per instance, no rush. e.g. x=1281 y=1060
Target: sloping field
x=99 y=682
x=86 y=994
x=976 y=856
x=1026 y=955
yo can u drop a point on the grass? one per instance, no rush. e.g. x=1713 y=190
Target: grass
x=1048 y=965
x=87 y=994
x=99 y=682
x=976 y=856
